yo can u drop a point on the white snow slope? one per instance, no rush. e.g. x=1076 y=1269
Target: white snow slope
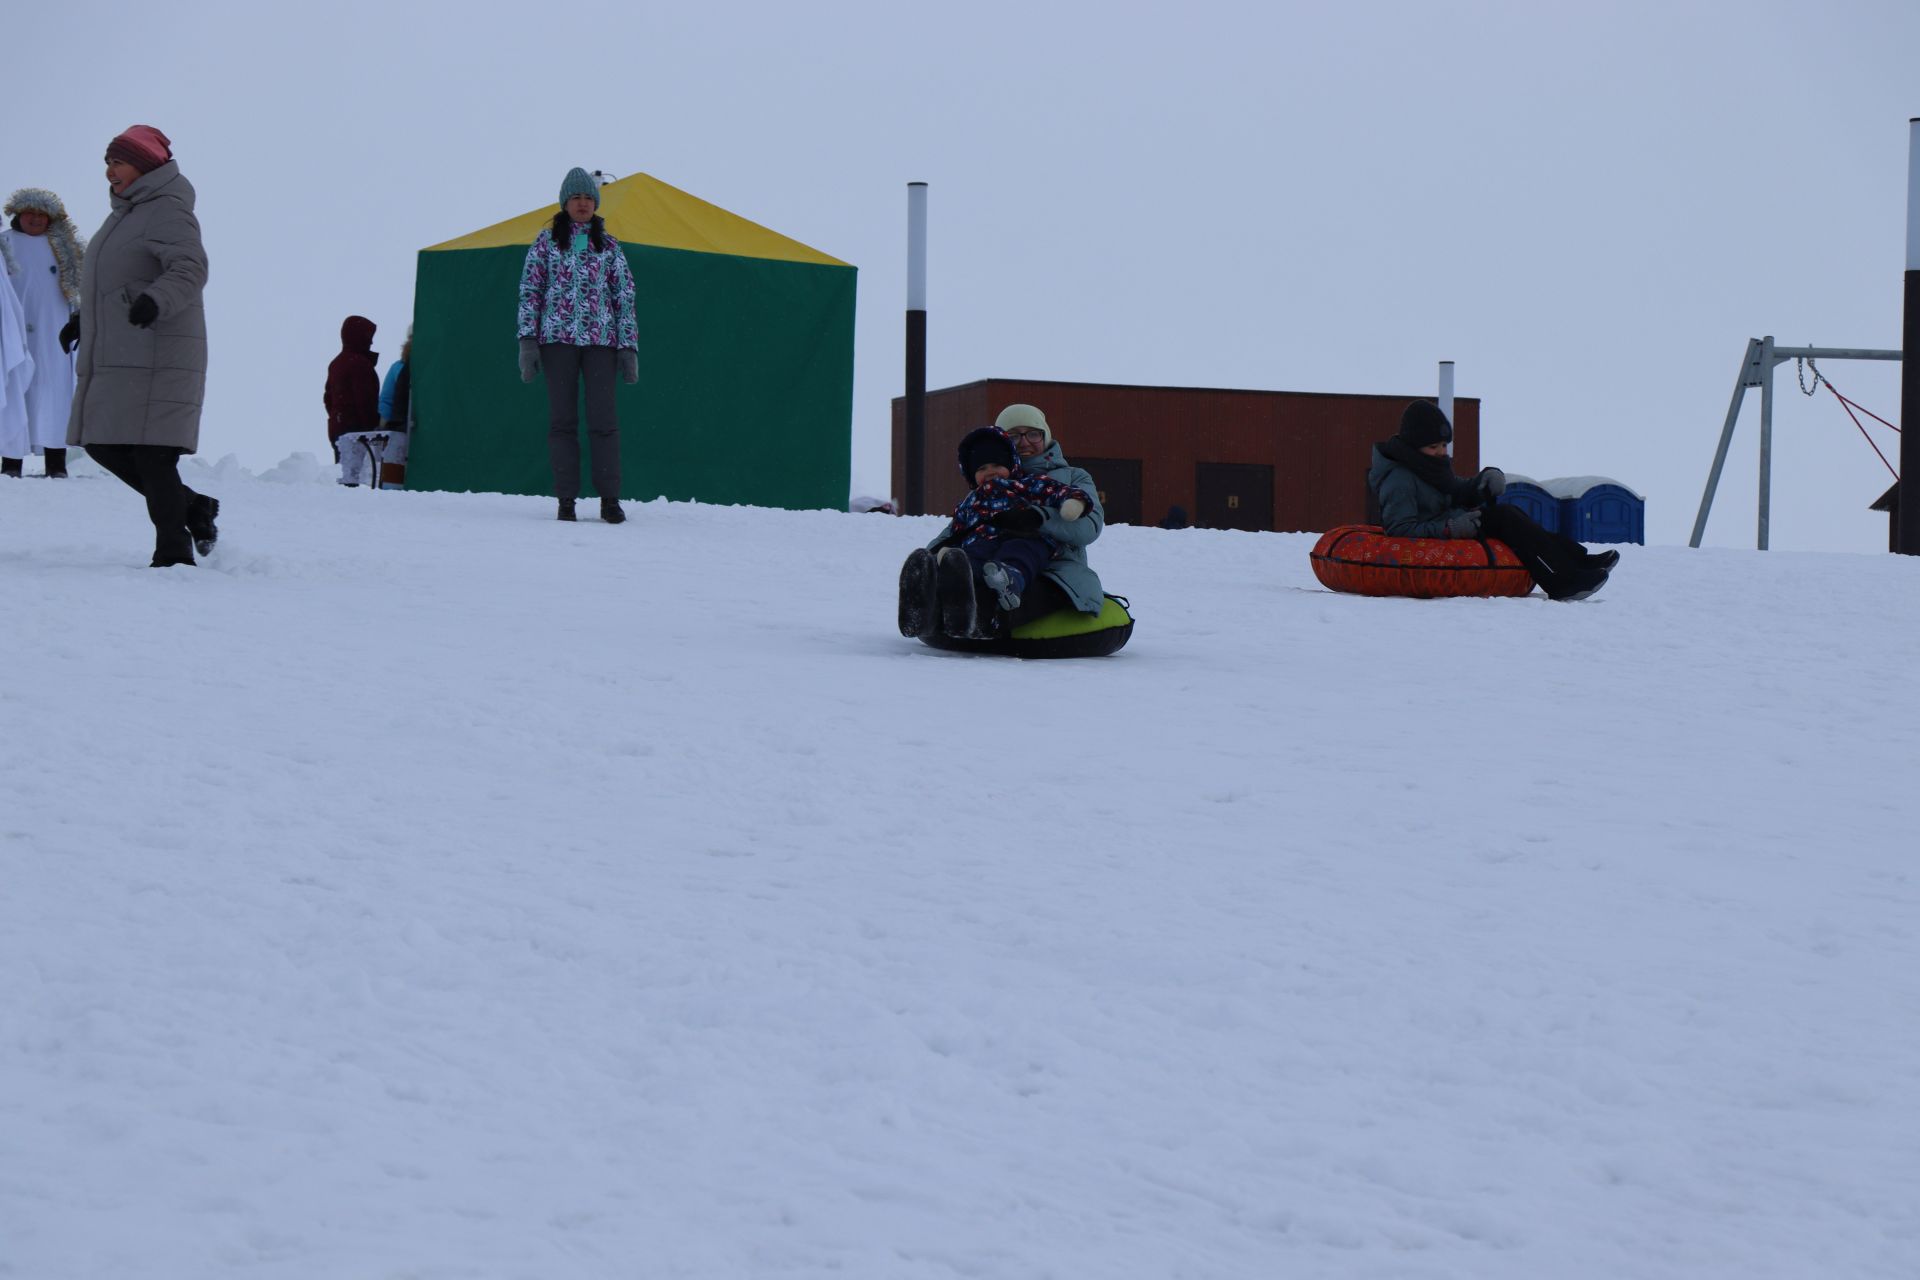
x=423 y=888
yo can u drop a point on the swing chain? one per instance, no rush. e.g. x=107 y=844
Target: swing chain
x=1800 y=366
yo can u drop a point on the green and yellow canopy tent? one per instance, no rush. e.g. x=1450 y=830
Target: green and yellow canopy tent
x=746 y=360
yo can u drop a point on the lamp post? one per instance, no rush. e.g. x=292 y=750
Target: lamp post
x=1907 y=531
x=915 y=497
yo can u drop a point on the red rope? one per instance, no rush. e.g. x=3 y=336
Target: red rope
x=1850 y=406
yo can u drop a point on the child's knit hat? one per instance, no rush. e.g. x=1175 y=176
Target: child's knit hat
x=983 y=445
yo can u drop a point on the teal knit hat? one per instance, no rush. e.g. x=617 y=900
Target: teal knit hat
x=579 y=183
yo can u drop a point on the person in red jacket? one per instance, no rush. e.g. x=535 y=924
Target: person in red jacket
x=353 y=396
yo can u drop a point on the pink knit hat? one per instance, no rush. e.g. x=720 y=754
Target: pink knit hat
x=142 y=146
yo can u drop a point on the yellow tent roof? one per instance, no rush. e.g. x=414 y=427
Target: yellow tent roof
x=641 y=209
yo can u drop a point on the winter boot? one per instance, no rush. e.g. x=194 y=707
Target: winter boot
x=610 y=511
x=1005 y=583
x=1603 y=560
x=1584 y=584
x=56 y=464
x=10 y=467
x=919 y=598
x=953 y=582
x=200 y=514
x=566 y=510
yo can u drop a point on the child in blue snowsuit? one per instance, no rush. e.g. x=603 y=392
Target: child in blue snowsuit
x=998 y=522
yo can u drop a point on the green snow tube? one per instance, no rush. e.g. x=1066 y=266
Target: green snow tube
x=1066 y=633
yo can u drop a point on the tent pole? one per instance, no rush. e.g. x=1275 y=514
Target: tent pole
x=915 y=498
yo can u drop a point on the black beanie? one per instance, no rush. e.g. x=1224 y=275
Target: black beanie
x=1423 y=424
x=983 y=445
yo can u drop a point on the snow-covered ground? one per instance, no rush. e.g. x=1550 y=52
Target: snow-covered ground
x=423 y=888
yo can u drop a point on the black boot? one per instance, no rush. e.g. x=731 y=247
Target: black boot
x=566 y=510
x=1581 y=584
x=56 y=464
x=610 y=511
x=919 y=598
x=10 y=467
x=953 y=581
x=1603 y=559
x=201 y=511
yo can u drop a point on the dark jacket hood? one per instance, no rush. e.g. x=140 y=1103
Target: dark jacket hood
x=356 y=335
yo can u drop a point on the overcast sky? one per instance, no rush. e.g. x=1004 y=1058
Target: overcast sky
x=1590 y=208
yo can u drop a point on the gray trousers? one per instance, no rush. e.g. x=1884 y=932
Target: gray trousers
x=566 y=367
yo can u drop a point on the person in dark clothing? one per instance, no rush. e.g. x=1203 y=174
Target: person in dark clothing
x=1412 y=487
x=352 y=396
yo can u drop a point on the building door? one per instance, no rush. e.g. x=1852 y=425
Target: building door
x=1119 y=481
x=1233 y=495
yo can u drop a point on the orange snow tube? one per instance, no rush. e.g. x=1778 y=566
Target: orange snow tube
x=1362 y=560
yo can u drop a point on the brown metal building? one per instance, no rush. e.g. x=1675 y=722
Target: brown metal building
x=1260 y=460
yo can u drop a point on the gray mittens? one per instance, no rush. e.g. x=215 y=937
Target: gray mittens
x=1493 y=482
x=629 y=366
x=529 y=359
x=1464 y=524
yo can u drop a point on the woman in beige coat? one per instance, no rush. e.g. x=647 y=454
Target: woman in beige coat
x=142 y=364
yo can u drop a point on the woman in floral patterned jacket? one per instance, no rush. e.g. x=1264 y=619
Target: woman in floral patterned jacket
x=577 y=324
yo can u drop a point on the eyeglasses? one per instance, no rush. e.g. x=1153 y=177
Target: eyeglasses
x=1027 y=433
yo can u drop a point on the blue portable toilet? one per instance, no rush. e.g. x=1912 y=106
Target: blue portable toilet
x=1597 y=509
x=1533 y=499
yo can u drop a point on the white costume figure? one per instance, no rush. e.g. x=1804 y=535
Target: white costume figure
x=43 y=275
x=16 y=361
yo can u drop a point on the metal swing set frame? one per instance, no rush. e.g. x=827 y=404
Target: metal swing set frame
x=1756 y=370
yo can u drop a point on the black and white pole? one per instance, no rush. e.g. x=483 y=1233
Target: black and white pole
x=1907 y=531
x=915 y=498
x=1446 y=393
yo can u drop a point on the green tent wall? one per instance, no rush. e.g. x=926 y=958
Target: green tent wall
x=746 y=360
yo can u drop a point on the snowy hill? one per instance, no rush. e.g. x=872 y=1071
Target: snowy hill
x=422 y=888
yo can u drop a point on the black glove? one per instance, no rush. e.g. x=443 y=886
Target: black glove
x=144 y=311
x=70 y=333
x=1018 y=520
x=336 y=449
x=1464 y=524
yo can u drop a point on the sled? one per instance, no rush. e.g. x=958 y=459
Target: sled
x=1361 y=559
x=1065 y=633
